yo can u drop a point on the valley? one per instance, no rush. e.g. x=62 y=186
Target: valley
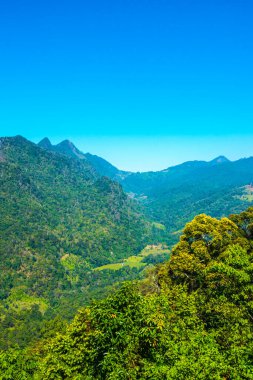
x=175 y=195
x=76 y=231
x=126 y=190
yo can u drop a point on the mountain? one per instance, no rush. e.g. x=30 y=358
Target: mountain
x=65 y=147
x=173 y=196
x=219 y=160
x=146 y=182
x=59 y=221
x=45 y=143
x=63 y=222
x=102 y=167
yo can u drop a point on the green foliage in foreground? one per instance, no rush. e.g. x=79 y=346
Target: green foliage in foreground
x=191 y=318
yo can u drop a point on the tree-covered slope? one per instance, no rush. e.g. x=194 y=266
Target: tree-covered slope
x=175 y=195
x=59 y=220
x=190 y=319
x=102 y=167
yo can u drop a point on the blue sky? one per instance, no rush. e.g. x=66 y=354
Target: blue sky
x=146 y=84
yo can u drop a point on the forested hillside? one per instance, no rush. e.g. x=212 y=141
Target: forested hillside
x=175 y=195
x=190 y=319
x=102 y=167
x=59 y=221
x=70 y=235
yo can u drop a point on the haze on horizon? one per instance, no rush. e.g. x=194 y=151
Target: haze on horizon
x=144 y=84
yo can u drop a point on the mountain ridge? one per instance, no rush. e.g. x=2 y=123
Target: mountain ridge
x=67 y=147
x=175 y=195
x=63 y=220
x=102 y=166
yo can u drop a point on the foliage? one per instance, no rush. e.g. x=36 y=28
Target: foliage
x=149 y=255
x=190 y=318
x=176 y=195
x=59 y=221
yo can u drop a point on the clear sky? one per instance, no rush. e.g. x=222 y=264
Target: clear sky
x=146 y=84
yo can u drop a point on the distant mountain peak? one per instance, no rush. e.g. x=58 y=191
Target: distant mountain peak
x=65 y=147
x=67 y=143
x=68 y=148
x=100 y=165
x=220 y=160
x=45 y=143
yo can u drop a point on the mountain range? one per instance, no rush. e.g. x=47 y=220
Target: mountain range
x=73 y=226
x=173 y=196
x=102 y=166
x=65 y=214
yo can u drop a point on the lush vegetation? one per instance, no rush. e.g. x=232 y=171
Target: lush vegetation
x=175 y=195
x=151 y=254
x=59 y=221
x=190 y=318
x=70 y=236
